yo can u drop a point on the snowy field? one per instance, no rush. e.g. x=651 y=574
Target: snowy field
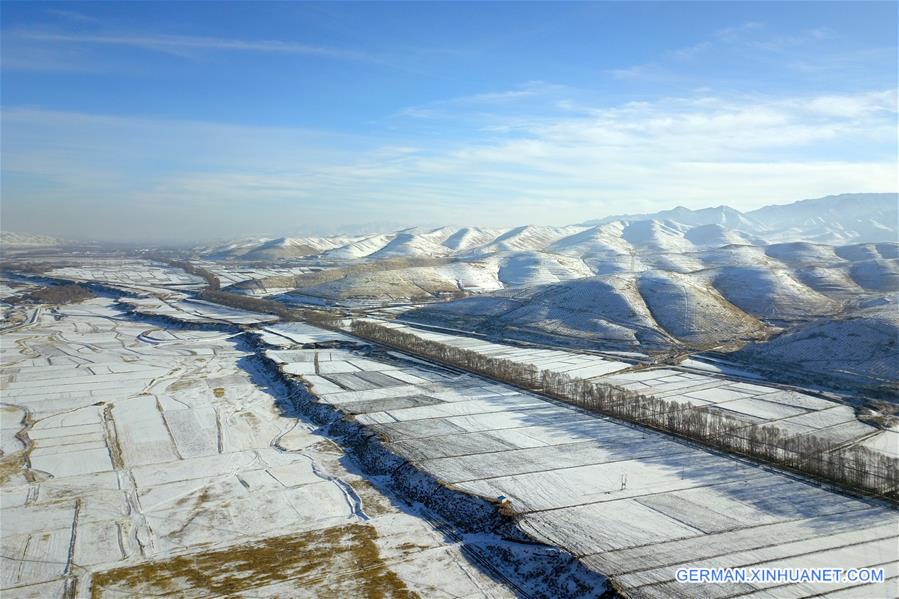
x=755 y=403
x=195 y=311
x=129 y=274
x=298 y=332
x=630 y=503
x=10 y=289
x=145 y=461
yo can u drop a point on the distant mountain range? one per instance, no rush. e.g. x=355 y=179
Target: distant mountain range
x=837 y=219
x=832 y=220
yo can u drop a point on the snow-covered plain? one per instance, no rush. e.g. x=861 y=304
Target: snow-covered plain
x=153 y=449
x=135 y=453
x=141 y=460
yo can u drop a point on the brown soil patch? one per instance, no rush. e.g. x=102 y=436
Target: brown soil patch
x=328 y=447
x=11 y=465
x=373 y=501
x=19 y=461
x=335 y=562
x=219 y=392
x=250 y=419
x=181 y=384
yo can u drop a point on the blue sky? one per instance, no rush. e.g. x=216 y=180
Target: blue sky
x=193 y=121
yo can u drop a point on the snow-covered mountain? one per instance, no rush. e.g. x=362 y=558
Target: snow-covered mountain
x=731 y=297
x=836 y=220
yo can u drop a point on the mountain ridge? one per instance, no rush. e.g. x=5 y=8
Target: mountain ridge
x=832 y=220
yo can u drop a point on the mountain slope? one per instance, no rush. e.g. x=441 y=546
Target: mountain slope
x=693 y=312
x=862 y=347
x=406 y=245
x=770 y=293
x=598 y=309
x=654 y=308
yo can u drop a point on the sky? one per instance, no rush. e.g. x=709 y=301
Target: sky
x=179 y=121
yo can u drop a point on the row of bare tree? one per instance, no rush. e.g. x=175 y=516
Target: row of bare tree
x=54 y=294
x=850 y=466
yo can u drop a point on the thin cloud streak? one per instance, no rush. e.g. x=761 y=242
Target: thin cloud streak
x=753 y=36
x=180 y=43
x=71 y=15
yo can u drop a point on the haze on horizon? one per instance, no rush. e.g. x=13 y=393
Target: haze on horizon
x=192 y=121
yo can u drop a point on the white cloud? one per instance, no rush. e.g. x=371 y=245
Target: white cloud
x=854 y=107
x=691 y=51
x=637 y=71
x=737 y=33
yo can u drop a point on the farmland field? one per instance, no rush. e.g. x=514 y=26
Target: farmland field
x=630 y=503
x=132 y=451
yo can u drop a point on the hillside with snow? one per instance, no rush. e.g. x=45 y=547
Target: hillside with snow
x=861 y=346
